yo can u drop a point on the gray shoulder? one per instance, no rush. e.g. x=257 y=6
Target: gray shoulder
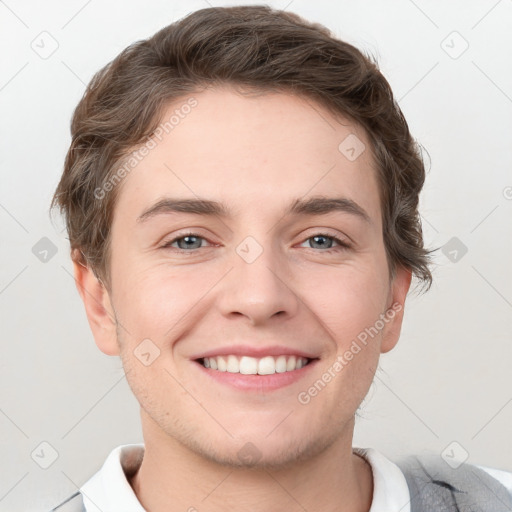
x=434 y=485
x=74 y=503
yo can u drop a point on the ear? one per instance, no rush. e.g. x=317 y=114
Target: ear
x=396 y=306
x=98 y=307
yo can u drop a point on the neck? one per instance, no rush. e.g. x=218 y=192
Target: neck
x=174 y=478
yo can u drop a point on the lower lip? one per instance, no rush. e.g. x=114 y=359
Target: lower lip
x=258 y=382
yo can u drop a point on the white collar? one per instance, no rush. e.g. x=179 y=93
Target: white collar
x=390 y=489
x=109 y=490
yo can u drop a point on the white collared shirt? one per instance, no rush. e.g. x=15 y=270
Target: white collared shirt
x=109 y=489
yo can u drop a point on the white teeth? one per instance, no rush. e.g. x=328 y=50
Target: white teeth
x=233 y=366
x=281 y=364
x=222 y=365
x=246 y=365
x=266 y=366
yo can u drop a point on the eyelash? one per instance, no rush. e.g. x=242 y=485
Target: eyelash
x=342 y=245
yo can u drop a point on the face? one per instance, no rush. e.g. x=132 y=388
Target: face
x=283 y=255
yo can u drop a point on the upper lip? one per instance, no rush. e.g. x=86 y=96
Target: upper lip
x=257 y=352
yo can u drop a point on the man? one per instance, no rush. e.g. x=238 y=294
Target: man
x=241 y=197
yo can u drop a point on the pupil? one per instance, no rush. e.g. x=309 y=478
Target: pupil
x=316 y=238
x=189 y=241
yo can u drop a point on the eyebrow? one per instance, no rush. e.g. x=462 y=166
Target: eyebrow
x=197 y=206
x=322 y=205
x=313 y=206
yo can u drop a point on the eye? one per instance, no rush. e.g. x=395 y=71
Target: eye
x=324 y=242
x=189 y=242
x=186 y=241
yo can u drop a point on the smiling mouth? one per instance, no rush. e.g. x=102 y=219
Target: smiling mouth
x=247 y=365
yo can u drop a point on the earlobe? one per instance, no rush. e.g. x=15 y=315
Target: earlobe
x=395 y=312
x=98 y=307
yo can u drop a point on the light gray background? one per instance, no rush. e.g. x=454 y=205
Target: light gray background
x=449 y=377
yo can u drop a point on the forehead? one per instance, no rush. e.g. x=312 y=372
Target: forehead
x=245 y=150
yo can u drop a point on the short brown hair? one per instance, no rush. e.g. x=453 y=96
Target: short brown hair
x=257 y=48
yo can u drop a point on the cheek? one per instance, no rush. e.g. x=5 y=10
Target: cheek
x=347 y=302
x=156 y=301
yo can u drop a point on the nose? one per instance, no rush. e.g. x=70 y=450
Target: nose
x=260 y=290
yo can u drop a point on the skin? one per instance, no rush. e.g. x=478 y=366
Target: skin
x=256 y=155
